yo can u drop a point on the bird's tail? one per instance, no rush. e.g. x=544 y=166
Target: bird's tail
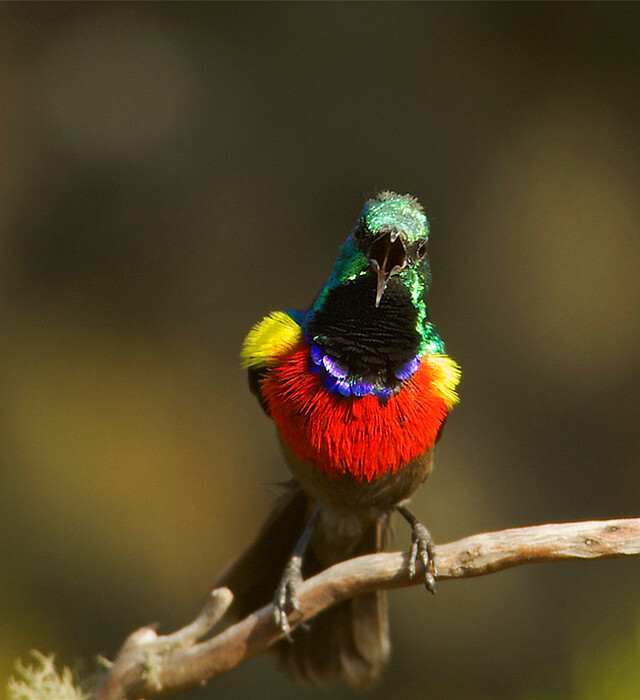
x=350 y=639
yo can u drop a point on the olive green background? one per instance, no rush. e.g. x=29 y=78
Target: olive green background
x=170 y=173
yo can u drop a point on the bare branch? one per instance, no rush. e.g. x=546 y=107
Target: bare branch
x=150 y=665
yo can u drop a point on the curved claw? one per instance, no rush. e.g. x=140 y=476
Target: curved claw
x=423 y=549
x=285 y=600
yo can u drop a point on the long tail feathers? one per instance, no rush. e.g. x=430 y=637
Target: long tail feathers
x=350 y=639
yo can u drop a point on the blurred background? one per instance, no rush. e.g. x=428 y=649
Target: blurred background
x=172 y=172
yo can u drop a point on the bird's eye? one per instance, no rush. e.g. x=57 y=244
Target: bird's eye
x=422 y=250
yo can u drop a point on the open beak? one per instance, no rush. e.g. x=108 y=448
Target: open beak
x=387 y=255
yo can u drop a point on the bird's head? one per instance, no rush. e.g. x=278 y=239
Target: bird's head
x=391 y=234
x=383 y=259
x=388 y=241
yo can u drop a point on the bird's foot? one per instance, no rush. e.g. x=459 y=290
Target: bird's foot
x=285 y=600
x=423 y=549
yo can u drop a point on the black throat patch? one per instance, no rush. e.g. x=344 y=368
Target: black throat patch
x=370 y=342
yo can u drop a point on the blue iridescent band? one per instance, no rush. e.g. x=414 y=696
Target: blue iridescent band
x=336 y=379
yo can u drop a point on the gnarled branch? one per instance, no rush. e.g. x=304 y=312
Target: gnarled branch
x=150 y=665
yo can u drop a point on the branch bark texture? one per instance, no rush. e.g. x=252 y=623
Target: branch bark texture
x=151 y=665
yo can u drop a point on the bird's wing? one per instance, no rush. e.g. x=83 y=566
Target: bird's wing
x=265 y=343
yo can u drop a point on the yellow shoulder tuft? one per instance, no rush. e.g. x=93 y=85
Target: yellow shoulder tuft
x=447 y=376
x=269 y=338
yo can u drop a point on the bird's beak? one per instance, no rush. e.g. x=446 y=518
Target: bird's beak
x=387 y=255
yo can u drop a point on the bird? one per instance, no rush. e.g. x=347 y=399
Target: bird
x=359 y=386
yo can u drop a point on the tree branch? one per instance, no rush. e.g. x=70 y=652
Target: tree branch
x=150 y=665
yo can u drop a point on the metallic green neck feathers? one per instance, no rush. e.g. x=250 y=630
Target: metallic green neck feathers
x=389 y=239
